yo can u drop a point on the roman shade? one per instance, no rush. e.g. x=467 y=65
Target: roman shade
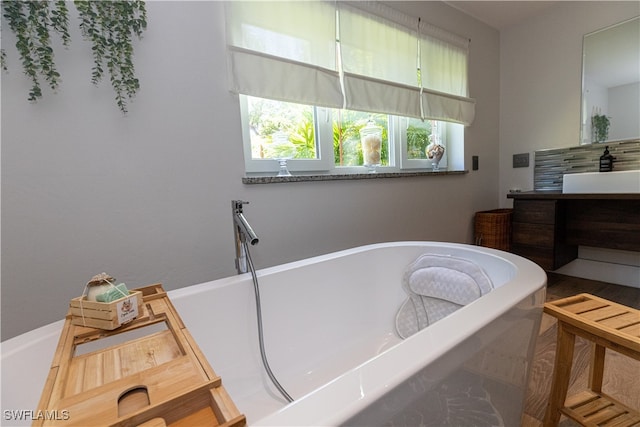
x=356 y=55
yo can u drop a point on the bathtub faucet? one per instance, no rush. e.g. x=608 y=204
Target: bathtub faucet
x=243 y=233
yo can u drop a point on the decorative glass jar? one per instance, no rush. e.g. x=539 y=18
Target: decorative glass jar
x=371 y=140
x=283 y=150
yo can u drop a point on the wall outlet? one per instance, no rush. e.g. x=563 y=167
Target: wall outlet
x=521 y=160
x=474 y=163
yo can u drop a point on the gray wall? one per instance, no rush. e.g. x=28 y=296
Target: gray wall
x=146 y=197
x=541 y=82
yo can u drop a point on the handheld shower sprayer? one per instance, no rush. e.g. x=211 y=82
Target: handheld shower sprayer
x=244 y=235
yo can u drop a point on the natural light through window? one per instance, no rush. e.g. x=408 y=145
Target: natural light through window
x=360 y=88
x=333 y=140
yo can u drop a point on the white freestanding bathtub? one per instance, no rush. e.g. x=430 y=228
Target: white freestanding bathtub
x=329 y=324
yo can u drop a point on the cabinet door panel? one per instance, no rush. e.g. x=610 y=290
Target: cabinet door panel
x=614 y=225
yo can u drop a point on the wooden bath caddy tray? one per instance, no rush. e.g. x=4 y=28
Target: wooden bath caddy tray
x=148 y=373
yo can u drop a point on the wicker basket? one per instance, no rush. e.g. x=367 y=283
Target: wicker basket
x=493 y=229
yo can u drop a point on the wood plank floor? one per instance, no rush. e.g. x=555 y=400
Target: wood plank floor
x=622 y=374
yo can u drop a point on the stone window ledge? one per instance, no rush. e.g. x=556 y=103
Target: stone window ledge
x=343 y=177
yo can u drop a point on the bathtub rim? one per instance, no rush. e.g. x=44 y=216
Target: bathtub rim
x=266 y=271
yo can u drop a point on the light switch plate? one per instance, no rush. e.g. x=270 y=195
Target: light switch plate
x=521 y=160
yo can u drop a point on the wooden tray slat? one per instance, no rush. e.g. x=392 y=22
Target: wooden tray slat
x=625 y=420
x=605 y=415
x=622 y=320
x=604 y=313
x=633 y=330
x=584 y=306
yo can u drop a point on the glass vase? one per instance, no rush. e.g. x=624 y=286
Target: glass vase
x=371 y=141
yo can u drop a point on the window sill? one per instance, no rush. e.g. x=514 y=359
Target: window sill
x=343 y=177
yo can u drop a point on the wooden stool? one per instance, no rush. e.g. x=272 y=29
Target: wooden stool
x=607 y=325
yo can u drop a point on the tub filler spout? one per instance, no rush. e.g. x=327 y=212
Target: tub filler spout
x=243 y=233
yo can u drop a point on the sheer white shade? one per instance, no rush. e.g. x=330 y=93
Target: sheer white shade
x=266 y=76
x=311 y=53
x=444 y=66
x=376 y=47
x=303 y=31
x=376 y=96
x=379 y=96
x=447 y=107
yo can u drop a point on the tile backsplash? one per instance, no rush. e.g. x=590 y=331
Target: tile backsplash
x=551 y=164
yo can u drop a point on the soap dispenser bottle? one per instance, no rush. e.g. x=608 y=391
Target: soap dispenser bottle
x=606 y=161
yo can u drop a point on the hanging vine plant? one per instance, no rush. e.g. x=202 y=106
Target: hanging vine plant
x=109 y=25
x=31 y=21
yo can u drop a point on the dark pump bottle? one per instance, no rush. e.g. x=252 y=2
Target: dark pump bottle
x=606 y=161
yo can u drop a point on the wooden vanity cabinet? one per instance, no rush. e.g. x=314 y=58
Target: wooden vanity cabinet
x=549 y=226
x=538 y=229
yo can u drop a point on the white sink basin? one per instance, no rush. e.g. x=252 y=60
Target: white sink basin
x=602 y=182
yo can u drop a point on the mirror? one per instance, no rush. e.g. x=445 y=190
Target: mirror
x=611 y=81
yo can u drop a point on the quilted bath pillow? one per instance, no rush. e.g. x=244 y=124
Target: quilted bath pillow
x=438 y=285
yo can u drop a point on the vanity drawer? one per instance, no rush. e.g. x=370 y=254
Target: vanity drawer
x=541 y=235
x=534 y=211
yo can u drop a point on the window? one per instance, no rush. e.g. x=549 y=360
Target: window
x=329 y=140
x=321 y=81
